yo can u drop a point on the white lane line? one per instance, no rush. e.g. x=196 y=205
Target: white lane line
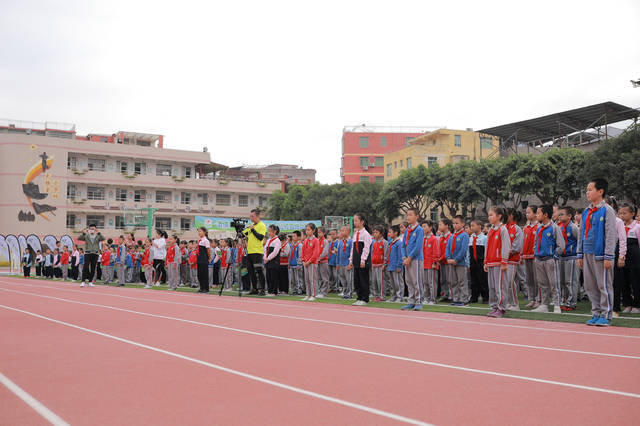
x=338 y=323
x=432 y=316
x=37 y=406
x=356 y=350
x=410 y=316
x=249 y=376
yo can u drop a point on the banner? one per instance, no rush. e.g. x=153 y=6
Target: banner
x=224 y=224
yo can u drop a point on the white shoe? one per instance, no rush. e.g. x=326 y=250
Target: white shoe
x=306 y=298
x=82 y=284
x=541 y=308
x=356 y=303
x=147 y=286
x=556 y=309
x=513 y=308
x=627 y=310
x=341 y=293
x=320 y=296
x=635 y=311
x=91 y=285
x=430 y=303
x=311 y=299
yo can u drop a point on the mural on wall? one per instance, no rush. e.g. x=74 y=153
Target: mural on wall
x=12 y=247
x=31 y=189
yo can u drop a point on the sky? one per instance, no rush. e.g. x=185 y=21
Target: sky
x=261 y=82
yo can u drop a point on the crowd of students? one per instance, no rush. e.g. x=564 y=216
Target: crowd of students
x=554 y=255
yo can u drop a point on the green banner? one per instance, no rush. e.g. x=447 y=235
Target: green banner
x=224 y=224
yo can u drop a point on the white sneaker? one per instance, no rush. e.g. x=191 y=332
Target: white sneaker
x=356 y=303
x=91 y=285
x=341 y=293
x=430 y=303
x=82 y=284
x=306 y=298
x=171 y=289
x=311 y=299
x=541 y=308
x=635 y=311
x=627 y=310
x=320 y=296
x=147 y=286
x=556 y=309
x=513 y=308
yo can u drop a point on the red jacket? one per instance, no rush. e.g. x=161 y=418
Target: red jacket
x=431 y=251
x=443 y=248
x=377 y=252
x=171 y=255
x=145 y=258
x=311 y=250
x=193 y=259
x=529 y=240
x=511 y=228
x=498 y=247
x=64 y=258
x=105 y=258
x=223 y=258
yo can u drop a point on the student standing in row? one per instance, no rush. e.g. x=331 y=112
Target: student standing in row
x=173 y=262
x=203 y=256
x=64 y=263
x=159 y=254
x=431 y=254
x=378 y=255
x=310 y=254
x=272 y=259
x=445 y=227
x=283 y=269
x=496 y=261
x=456 y=254
x=345 y=276
x=631 y=262
x=413 y=261
x=360 y=258
x=528 y=259
x=295 y=264
x=323 y=264
x=333 y=258
x=147 y=264
x=121 y=259
x=394 y=266
x=569 y=275
x=516 y=236
x=477 y=248
x=548 y=245
x=27 y=262
x=39 y=263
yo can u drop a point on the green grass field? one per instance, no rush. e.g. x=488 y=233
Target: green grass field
x=580 y=315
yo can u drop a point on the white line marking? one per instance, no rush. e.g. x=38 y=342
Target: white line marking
x=232 y=371
x=37 y=406
x=344 y=324
x=362 y=351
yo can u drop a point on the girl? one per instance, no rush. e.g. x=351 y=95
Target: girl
x=203 y=250
x=395 y=264
x=323 y=264
x=631 y=262
x=378 y=256
x=173 y=263
x=159 y=253
x=64 y=263
x=310 y=255
x=283 y=271
x=272 y=259
x=75 y=262
x=516 y=237
x=431 y=254
x=39 y=261
x=147 y=264
x=27 y=262
x=360 y=259
x=57 y=270
x=496 y=260
x=226 y=267
x=528 y=258
x=445 y=227
x=105 y=263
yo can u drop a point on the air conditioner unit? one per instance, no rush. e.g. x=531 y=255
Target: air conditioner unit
x=365 y=167
x=187 y=208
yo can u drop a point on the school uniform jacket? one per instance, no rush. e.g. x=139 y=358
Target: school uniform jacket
x=413 y=238
x=570 y=235
x=444 y=240
x=395 y=255
x=294 y=254
x=529 y=232
x=344 y=252
x=549 y=242
x=361 y=248
x=310 y=250
x=598 y=232
x=272 y=253
x=457 y=248
x=477 y=248
x=498 y=246
x=431 y=251
x=324 y=251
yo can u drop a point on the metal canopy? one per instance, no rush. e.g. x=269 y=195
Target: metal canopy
x=561 y=124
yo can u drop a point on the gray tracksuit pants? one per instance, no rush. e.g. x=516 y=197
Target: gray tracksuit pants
x=530 y=278
x=430 y=285
x=548 y=278
x=598 y=283
x=295 y=280
x=445 y=280
x=121 y=268
x=322 y=278
x=459 y=284
x=173 y=275
x=413 y=276
x=496 y=279
x=376 y=287
x=569 y=281
x=345 y=280
x=311 y=279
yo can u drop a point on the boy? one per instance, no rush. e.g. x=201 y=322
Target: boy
x=456 y=254
x=548 y=245
x=193 y=264
x=379 y=248
x=516 y=236
x=345 y=281
x=295 y=269
x=121 y=259
x=173 y=263
x=431 y=254
x=394 y=265
x=596 y=252
x=48 y=264
x=105 y=262
x=477 y=246
x=413 y=260
x=528 y=257
x=64 y=263
x=226 y=275
x=323 y=264
x=333 y=257
x=569 y=280
x=444 y=228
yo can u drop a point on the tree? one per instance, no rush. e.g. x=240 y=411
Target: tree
x=456 y=189
x=490 y=177
x=408 y=191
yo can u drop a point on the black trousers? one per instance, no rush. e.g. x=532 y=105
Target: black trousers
x=38 y=270
x=203 y=276
x=479 y=283
x=272 y=280
x=255 y=271
x=26 y=270
x=361 y=282
x=48 y=271
x=89 y=268
x=74 y=272
x=159 y=273
x=631 y=287
x=283 y=278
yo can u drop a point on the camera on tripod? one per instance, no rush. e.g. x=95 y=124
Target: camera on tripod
x=239 y=225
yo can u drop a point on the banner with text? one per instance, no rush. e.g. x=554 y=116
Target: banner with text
x=224 y=224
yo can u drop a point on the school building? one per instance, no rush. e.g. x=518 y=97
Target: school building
x=55 y=182
x=441 y=146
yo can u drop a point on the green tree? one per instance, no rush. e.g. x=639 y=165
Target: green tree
x=408 y=191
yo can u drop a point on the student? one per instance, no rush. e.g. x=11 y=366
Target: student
x=477 y=249
x=214 y=263
x=226 y=265
x=74 y=261
x=295 y=267
x=128 y=264
x=64 y=263
x=333 y=256
x=548 y=245
x=57 y=269
x=379 y=248
x=283 y=269
x=147 y=264
x=27 y=262
x=310 y=254
x=345 y=276
x=528 y=258
x=516 y=236
x=445 y=227
x=121 y=260
x=496 y=261
x=105 y=262
x=184 y=266
x=173 y=260
x=596 y=252
x=431 y=255
x=630 y=263
x=394 y=264
x=272 y=259
x=48 y=264
x=159 y=252
x=193 y=265
x=203 y=257
x=569 y=277
x=620 y=255
x=323 y=264
x=39 y=263
x=360 y=258
x=413 y=261
x=456 y=254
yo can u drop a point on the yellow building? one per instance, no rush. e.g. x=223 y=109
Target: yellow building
x=442 y=146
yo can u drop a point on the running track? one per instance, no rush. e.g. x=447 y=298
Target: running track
x=108 y=355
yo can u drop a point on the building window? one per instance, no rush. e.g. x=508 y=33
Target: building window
x=401 y=163
x=72 y=163
x=140 y=168
x=431 y=161
x=364 y=141
x=223 y=200
x=409 y=163
x=139 y=196
x=395 y=164
x=486 y=143
x=71 y=191
x=163 y=170
x=262 y=201
x=122 y=166
x=163 y=197
x=96 y=164
x=203 y=199
x=389 y=170
x=185 y=224
x=71 y=220
x=95 y=193
x=383 y=141
x=364 y=161
x=408 y=139
x=456 y=141
x=95 y=219
x=378 y=161
x=243 y=200
x=379 y=179
x=187 y=172
x=185 y=198
x=364 y=179
x=163 y=222
x=121 y=194
x=119 y=222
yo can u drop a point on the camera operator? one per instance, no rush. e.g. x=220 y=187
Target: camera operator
x=255 y=252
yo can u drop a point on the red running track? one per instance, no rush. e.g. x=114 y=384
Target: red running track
x=110 y=355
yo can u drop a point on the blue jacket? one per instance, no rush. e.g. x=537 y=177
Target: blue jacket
x=344 y=251
x=413 y=243
x=82 y=259
x=121 y=254
x=333 y=258
x=294 y=256
x=549 y=242
x=462 y=248
x=395 y=255
x=129 y=261
x=571 y=242
x=602 y=238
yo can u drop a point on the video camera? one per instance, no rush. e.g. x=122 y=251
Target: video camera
x=239 y=225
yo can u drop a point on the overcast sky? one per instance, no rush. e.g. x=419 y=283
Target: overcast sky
x=272 y=81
